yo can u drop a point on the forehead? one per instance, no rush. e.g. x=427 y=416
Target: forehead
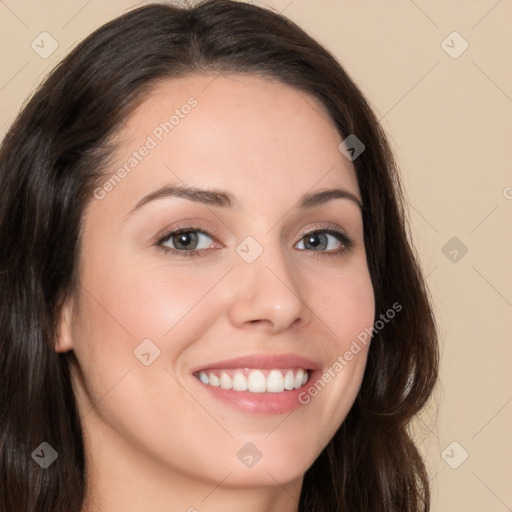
x=259 y=138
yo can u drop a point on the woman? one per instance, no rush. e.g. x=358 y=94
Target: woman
x=211 y=299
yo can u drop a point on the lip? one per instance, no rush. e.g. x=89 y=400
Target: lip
x=260 y=403
x=263 y=361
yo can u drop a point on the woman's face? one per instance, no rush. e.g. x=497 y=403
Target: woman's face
x=274 y=284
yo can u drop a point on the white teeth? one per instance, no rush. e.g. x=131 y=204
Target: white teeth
x=289 y=380
x=275 y=382
x=256 y=382
x=214 y=380
x=240 y=382
x=225 y=381
x=298 y=378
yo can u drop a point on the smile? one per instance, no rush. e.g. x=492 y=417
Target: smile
x=255 y=380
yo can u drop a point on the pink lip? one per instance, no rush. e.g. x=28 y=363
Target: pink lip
x=261 y=403
x=263 y=361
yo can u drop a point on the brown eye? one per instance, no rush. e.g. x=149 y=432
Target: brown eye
x=186 y=240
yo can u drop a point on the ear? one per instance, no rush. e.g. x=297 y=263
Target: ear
x=64 y=338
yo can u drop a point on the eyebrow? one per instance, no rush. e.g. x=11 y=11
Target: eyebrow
x=224 y=199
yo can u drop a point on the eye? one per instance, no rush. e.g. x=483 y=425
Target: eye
x=190 y=241
x=328 y=241
x=185 y=241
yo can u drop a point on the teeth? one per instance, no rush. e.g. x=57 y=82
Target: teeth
x=255 y=381
x=214 y=380
x=298 y=378
x=225 y=381
x=240 y=382
x=289 y=380
x=275 y=382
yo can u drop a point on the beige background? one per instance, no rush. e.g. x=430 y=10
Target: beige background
x=449 y=120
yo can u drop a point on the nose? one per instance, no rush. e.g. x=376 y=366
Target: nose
x=267 y=294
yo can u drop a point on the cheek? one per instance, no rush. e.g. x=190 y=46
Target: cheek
x=141 y=299
x=345 y=302
x=122 y=307
x=347 y=308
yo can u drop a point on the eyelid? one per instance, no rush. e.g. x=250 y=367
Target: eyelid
x=185 y=226
x=324 y=226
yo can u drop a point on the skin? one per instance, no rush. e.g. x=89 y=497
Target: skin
x=155 y=439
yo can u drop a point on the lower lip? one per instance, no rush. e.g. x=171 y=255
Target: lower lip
x=261 y=403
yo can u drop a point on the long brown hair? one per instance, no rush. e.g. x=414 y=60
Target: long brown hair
x=52 y=158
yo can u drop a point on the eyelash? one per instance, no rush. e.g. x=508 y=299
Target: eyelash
x=346 y=242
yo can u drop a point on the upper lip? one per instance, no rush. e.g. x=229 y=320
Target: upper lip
x=263 y=361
